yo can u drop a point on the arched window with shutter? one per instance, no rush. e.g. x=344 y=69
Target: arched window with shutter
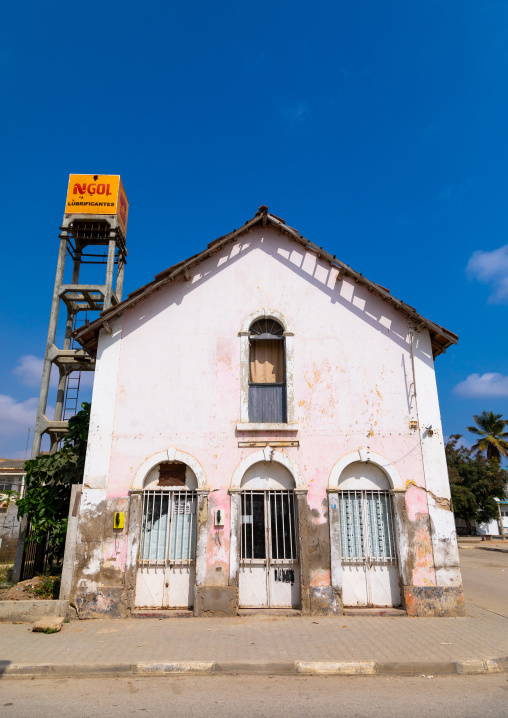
x=267 y=372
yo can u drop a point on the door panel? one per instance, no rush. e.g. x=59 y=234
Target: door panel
x=166 y=572
x=150 y=587
x=180 y=590
x=284 y=585
x=252 y=587
x=354 y=585
x=269 y=573
x=370 y=575
x=384 y=585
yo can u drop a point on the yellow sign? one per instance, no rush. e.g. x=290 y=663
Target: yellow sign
x=97 y=194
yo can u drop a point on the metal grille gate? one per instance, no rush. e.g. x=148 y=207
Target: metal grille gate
x=167 y=551
x=367 y=549
x=269 y=567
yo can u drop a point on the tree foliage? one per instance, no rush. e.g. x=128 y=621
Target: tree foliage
x=493 y=439
x=475 y=483
x=48 y=483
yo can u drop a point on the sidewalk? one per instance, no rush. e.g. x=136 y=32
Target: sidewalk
x=265 y=644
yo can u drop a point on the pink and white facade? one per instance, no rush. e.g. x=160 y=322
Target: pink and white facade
x=342 y=500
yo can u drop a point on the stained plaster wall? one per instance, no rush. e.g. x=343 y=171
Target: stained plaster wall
x=169 y=375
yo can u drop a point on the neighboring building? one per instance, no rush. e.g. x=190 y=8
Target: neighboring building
x=265 y=432
x=492 y=528
x=12 y=472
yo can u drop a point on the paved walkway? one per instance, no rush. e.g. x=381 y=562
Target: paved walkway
x=264 y=644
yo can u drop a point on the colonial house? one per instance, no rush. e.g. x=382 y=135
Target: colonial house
x=265 y=433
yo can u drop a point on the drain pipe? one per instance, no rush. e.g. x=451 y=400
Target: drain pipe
x=413 y=384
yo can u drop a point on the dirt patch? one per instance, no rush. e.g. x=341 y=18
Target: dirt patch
x=39 y=588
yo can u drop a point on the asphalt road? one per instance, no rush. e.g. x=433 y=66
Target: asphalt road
x=251 y=697
x=485 y=578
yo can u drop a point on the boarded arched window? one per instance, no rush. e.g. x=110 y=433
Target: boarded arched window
x=267 y=372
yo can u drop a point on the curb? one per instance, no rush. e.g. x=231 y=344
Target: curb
x=289 y=668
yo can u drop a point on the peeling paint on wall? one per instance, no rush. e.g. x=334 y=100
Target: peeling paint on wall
x=351 y=371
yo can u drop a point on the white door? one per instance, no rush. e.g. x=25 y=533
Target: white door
x=166 y=565
x=269 y=571
x=370 y=575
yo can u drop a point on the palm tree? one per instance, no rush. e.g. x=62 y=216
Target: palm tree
x=493 y=440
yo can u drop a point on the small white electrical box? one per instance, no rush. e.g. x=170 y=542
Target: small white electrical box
x=219 y=517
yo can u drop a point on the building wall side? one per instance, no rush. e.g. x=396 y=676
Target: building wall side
x=443 y=534
x=99 y=555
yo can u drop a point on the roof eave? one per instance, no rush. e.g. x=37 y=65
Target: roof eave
x=87 y=336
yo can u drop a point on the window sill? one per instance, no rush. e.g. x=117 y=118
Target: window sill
x=267 y=427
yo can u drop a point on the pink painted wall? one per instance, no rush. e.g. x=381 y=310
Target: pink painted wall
x=179 y=376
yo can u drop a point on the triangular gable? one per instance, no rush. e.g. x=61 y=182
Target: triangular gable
x=87 y=336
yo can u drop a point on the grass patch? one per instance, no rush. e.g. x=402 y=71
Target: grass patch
x=48 y=588
x=6 y=573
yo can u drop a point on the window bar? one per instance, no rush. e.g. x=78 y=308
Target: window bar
x=380 y=505
x=157 y=544
x=377 y=537
x=177 y=516
x=191 y=533
x=342 y=524
x=377 y=500
x=181 y=517
x=151 y=527
x=390 y=527
x=386 y=528
x=276 y=526
x=368 y=528
x=378 y=521
x=267 y=513
x=352 y=531
x=365 y=525
x=242 y=525
x=284 y=505
x=290 y=512
x=362 y=548
x=171 y=509
x=246 y=547
x=283 y=526
x=251 y=526
x=182 y=506
x=143 y=531
x=352 y=518
x=189 y=542
x=168 y=530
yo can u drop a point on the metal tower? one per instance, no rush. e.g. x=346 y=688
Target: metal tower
x=97 y=225
x=93 y=232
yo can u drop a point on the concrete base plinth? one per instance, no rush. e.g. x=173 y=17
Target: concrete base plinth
x=426 y=601
x=106 y=602
x=32 y=610
x=323 y=602
x=216 y=601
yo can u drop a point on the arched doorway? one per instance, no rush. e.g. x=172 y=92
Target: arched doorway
x=269 y=572
x=166 y=571
x=368 y=554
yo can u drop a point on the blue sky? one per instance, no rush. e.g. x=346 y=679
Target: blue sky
x=379 y=130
